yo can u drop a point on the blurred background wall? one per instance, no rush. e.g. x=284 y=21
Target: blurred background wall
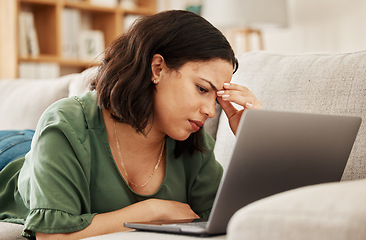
x=313 y=26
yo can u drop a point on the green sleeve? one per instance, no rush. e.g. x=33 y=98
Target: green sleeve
x=54 y=181
x=206 y=181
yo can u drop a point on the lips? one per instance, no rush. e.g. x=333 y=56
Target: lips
x=196 y=125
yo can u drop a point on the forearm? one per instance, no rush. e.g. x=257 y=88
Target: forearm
x=110 y=222
x=107 y=223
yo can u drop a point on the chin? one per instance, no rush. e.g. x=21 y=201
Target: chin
x=180 y=136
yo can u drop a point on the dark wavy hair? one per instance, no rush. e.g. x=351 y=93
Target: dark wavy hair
x=123 y=82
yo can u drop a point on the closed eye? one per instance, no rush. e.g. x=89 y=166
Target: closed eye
x=202 y=89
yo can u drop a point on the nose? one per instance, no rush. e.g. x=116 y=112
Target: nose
x=208 y=108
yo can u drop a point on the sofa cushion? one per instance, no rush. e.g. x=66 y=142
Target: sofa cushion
x=11 y=231
x=24 y=101
x=326 y=211
x=80 y=82
x=141 y=235
x=316 y=83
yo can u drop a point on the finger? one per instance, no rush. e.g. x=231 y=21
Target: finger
x=233 y=86
x=243 y=91
x=240 y=95
x=237 y=97
x=258 y=105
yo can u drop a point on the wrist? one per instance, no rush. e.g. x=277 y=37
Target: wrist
x=153 y=209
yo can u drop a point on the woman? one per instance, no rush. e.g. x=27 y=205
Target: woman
x=133 y=149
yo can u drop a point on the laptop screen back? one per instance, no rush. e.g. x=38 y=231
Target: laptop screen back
x=279 y=151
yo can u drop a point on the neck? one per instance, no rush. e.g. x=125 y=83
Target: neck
x=131 y=139
x=137 y=156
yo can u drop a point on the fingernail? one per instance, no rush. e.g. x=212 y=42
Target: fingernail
x=226 y=84
x=220 y=92
x=249 y=105
x=225 y=97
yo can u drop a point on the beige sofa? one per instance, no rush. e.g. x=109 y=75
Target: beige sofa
x=320 y=83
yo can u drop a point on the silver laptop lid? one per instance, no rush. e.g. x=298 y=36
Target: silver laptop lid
x=279 y=151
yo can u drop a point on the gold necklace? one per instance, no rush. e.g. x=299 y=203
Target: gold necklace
x=123 y=165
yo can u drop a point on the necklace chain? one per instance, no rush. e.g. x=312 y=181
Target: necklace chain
x=123 y=165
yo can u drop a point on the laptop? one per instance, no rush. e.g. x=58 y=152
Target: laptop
x=274 y=152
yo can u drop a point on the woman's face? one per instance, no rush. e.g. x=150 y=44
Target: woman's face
x=186 y=98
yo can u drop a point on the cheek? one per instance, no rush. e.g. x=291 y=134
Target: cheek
x=169 y=108
x=176 y=102
x=183 y=100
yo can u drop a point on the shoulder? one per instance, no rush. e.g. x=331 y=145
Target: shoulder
x=76 y=113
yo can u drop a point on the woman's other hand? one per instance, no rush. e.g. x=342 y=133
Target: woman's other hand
x=169 y=210
x=240 y=95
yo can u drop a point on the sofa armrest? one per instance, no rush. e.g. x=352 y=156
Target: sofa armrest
x=333 y=211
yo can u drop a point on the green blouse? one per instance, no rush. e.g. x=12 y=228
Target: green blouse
x=70 y=174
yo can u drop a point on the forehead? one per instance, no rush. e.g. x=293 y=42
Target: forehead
x=197 y=65
x=216 y=71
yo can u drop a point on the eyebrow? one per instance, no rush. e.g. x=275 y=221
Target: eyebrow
x=213 y=86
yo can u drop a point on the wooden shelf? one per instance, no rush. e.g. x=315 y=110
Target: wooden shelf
x=89 y=7
x=69 y=62
x=41 y=2
x=48 y=23
x=86 y=6
x=139 y=11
